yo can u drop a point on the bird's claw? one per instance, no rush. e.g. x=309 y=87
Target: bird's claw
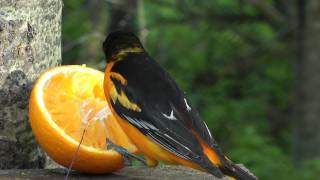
x=126 y=155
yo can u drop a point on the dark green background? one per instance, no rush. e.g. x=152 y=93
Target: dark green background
x=236 y=62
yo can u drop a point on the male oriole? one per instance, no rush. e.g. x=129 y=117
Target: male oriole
x=156 y=114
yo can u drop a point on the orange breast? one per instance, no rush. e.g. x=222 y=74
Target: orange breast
x=145 y=145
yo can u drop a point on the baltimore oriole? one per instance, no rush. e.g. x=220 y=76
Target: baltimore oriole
x=156 y=114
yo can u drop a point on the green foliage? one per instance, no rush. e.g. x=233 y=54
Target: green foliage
x=266 y=159
x=237 y=71
x=310 y=169
x=76 y=21
x=237 y=75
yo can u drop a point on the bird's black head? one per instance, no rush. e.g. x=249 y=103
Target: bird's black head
x=119 y=42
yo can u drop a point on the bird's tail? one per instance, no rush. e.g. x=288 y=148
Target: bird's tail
x=237 y=171
x=226 y=166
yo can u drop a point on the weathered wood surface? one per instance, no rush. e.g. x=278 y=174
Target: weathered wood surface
x=129 y=173
x=30 y=42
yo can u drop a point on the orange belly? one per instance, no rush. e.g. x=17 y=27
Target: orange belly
x=145 y=145
x=151 y=149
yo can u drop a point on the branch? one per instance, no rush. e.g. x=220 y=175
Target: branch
x=81 y=40
x=268 y=11
x=211 y=18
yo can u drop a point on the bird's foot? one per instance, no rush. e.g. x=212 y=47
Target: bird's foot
x=126 y=155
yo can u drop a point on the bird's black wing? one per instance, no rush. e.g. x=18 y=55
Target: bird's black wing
x=166 y=115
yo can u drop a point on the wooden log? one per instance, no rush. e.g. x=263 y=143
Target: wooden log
x=128 y=173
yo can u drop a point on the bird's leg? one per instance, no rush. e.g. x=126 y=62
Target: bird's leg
x=125 y=154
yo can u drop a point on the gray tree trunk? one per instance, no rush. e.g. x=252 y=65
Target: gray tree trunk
x=30 y=42
x=307 y=144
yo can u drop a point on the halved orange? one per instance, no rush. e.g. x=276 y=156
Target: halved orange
x=64 y=102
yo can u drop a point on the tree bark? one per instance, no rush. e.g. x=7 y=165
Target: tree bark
x=307 y=141
x=30 y=42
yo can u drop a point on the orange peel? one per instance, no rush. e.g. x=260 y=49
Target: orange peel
x=66 y=100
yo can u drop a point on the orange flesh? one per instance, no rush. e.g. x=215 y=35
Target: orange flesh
x=65 y=103
x=80 y=106
x=84 y=106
